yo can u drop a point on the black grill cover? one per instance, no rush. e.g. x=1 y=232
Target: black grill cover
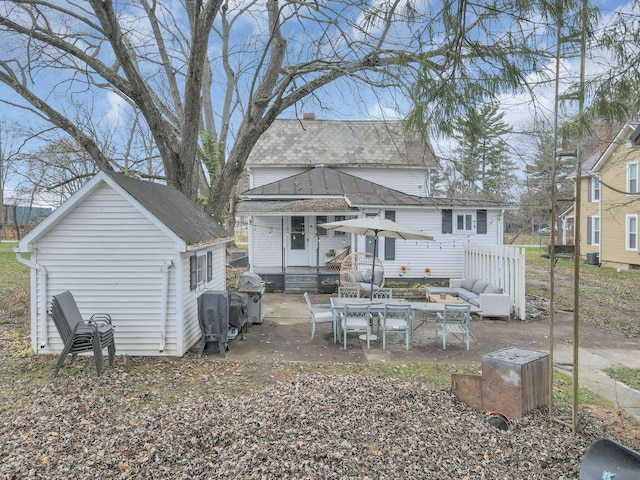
x=213 y=316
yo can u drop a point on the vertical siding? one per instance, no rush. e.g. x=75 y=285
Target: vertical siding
x=110 y=257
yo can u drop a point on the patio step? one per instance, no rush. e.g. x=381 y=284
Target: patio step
x=300 y=283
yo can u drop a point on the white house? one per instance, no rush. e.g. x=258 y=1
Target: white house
x=307 y=172
x=138 y=250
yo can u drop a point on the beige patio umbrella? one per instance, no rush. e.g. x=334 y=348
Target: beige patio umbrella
x=376 y=227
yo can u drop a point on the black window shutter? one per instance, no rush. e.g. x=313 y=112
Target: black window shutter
x=209 y=266
x=390 y=243
x=589 y=227
x=447 y=220
x=193 y=272
x=481 y=221
x=590 y=189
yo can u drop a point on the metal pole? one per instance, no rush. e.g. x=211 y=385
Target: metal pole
x=552 y=250
x=576 y=233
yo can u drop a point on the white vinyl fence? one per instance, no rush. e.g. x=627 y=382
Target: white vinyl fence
x=502 y=266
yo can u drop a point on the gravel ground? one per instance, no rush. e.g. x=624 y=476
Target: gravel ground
x=231 y=423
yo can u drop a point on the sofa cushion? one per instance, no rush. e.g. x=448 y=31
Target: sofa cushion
x=493 y=289
x=479 y=286
x=464 y=294
x=474 y=300
x=468 y=283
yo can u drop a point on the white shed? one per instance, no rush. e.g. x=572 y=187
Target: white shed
x=138 y=250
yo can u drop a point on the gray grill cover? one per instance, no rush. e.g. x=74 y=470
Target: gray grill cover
x=213 y=316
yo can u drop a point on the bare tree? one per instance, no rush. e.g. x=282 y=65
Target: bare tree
x=230 y=68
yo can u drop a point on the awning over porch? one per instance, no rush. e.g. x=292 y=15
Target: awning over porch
x=303 y=206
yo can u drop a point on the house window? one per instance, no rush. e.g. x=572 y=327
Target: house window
x=321 y=219
x=593 y=230
x=447 y=220
x=464 y=222
x=339 y=218
x=632 y=178
x=632 y=232
x=594 y=192
x=390 y=243
x=481 y=216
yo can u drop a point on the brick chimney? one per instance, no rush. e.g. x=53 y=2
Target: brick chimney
x=308 y=116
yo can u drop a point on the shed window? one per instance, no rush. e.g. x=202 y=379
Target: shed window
x=200 y=269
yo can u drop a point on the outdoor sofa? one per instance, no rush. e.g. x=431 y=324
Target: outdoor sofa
x=491 y=300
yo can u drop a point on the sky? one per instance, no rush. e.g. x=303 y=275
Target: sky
x=343 y=101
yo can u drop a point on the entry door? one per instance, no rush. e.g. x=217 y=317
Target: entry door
x=298 y=243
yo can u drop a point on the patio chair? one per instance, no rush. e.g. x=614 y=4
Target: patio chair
x=395 y=319
x=349 y=292
x=79 y=335
x=356 y=319
x=455 y=321
x=320 y=313
x=383 y=293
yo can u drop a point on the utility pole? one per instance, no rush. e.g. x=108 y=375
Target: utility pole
x=2 y=229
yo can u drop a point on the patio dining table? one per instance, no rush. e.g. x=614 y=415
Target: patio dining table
x=377 y=306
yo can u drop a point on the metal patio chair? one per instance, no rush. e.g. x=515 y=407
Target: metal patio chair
x=356 y=318
x=349 y=292
x=79 y=335
x=320 y=313
x=395 y=319
x=454 y=321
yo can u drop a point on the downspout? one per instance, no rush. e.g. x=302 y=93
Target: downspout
x=165 y=302
x=42 y=282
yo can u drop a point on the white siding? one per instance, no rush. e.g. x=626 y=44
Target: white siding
x=263 y=176
x=191 y=328
x=111 y=257
x=266 y=237
x=409 y=181
x=444 y=255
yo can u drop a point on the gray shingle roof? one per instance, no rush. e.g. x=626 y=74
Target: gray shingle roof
x=324 y=181
x=173 y=209
x=339 y=142
x=329 y=182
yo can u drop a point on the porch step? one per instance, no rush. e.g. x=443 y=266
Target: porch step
x=300 y=283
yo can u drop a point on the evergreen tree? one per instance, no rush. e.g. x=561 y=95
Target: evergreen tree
x=482 y=156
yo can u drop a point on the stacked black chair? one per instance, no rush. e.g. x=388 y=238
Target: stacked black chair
x=79 y=335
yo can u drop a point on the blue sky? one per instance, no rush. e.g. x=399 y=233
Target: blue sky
x=342 y=100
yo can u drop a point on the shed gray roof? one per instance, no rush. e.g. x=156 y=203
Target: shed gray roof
x=293 y=142
x=173 y=209
x=331 y=184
